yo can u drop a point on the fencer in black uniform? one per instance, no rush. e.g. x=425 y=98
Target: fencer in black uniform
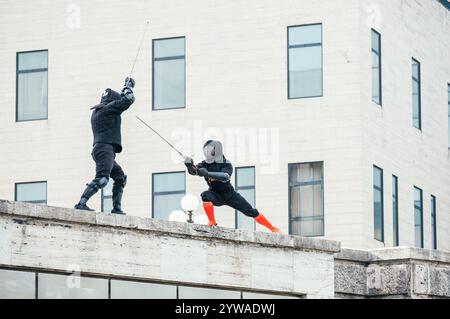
x=105 y=123
x=217 y=171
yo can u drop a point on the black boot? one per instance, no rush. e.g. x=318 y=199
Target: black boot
x=117 y=193
x=90 y=191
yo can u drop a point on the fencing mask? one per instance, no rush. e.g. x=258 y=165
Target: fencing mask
x=107 y=97
x=213 y=152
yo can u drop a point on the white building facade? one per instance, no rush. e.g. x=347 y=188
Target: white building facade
x=334 y=113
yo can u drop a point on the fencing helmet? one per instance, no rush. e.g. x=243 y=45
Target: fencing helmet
x=107 y=97
x=213 y=152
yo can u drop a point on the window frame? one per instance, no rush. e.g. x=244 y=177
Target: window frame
x=380 y=72
x=28 y=183
x=419 y=82
x=165 y=193
x=244 y=188
x=434 y=239
x=164 y=59
x=382 y=203
x=448 y=102
x=395 y=211
x=304 y=46
x=421 y=217
x=290 y=218
x=29 y=71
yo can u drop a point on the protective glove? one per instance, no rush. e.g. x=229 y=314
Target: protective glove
x=129 y=83
x=188 y=160
x=128 y=93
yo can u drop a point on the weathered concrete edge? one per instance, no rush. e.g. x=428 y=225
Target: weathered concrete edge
x=27 y=210
x=393 y=254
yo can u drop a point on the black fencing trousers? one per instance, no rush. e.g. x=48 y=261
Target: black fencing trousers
x=230 y=198
x=105 y=165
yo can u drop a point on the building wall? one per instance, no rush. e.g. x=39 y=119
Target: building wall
x=418 y=158
x=236 y=59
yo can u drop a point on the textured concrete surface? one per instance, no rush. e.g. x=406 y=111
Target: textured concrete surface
x=392 y=273
x=51 y=238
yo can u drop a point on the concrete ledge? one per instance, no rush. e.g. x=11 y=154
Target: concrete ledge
x=392 y=273
x=26 y=210
x=54 y=239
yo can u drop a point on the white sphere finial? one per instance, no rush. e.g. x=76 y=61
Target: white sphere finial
x=189 y=203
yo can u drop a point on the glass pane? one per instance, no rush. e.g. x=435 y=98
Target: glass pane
x=245 y=176
x=416 y=69
x=378 y=204
x=165 y=204
x=375 y=41
x=107 y=190
x=51 y=286
x=306 y=201
x=107 y=204
x=32 y=60
x=376 y=81
x=206 y=293
x=418 y=211
x=168 y=47
x=32 y=192
x=169 y=182
x=121 y=289
x=243 y=221
x=17 y=284
x=32 y=96
x=107 y=196
x=169 y=84
x=305 y=72
x=305 y=34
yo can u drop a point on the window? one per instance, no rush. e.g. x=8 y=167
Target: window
x=168 y=190
x=416 y=95
x=433 y=222
x=418 y=217
x=17 y=284
x=306 y=212
x=53 y=286
x=378 y=204
x=122 y=289
x=448 y=93
x=305 y=61
x=395 y=209
x=245 y=185
x=169 y=74
x=107 y=204
x=376 y=68
x=206 y=293
x=31 y=82
x=35 y=192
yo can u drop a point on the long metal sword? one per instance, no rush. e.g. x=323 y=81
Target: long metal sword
x=173 y=147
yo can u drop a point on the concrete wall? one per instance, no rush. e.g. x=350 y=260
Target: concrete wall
x=236 y=71
x=409 y=28
x=392 y=273
x=56 y=239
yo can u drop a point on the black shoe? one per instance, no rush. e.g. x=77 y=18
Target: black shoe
x=117 y=211
x=83 y=207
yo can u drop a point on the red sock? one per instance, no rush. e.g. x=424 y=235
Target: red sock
x=209 y=210
x=260 y=219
